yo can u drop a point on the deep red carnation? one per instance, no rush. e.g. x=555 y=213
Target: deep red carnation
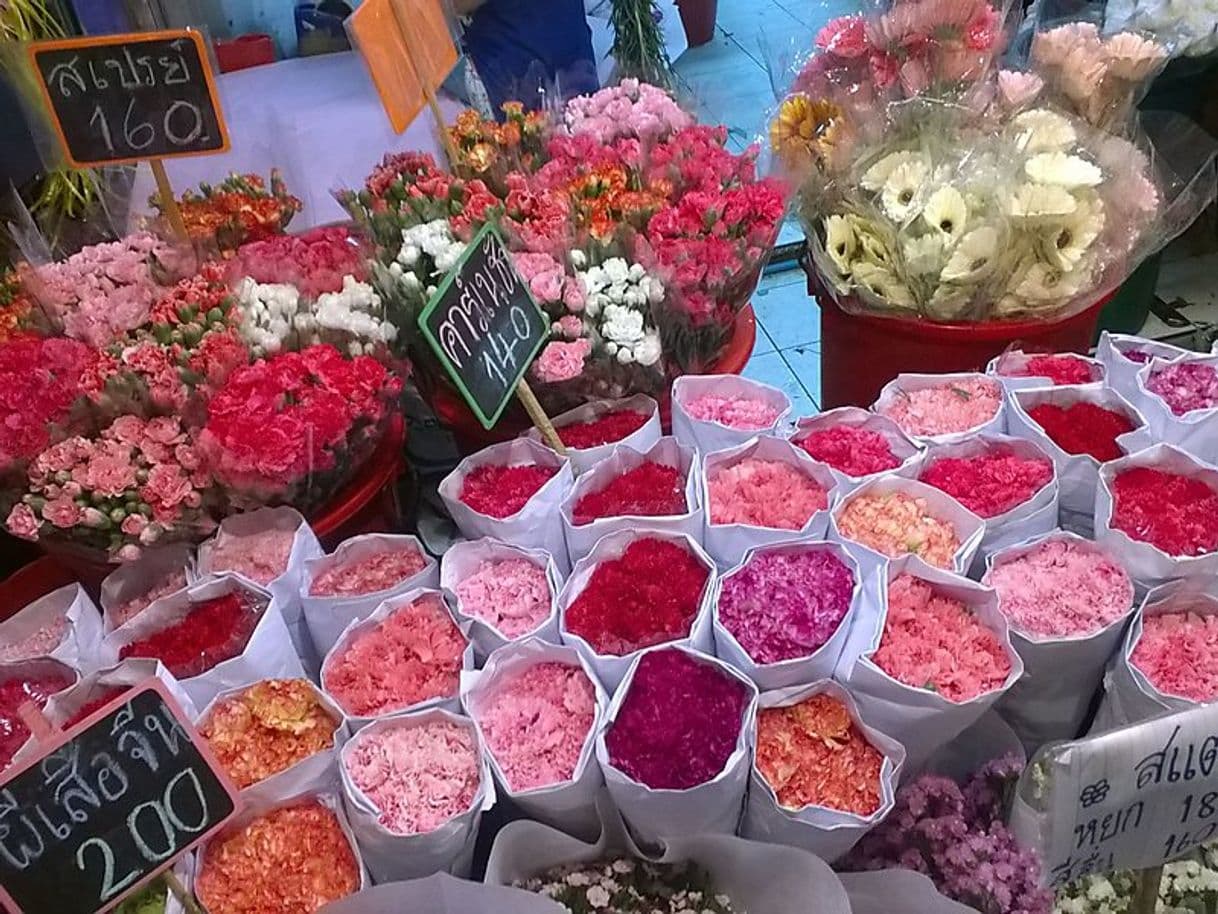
x=14 y=693
x=649 y=490
x=212 y=632
x=679 y=724
x=1177 y=514
x=1060 y=369
x=990 y=484
x=1083 y=428
x=648 y=596
x=500 y=492
x=850 y=450
x=612 y=426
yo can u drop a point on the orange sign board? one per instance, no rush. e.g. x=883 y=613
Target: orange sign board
x=409 y=51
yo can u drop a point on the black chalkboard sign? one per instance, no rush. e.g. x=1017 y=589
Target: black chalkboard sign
x=117 y=800
x=484 y=326
x=122 y=98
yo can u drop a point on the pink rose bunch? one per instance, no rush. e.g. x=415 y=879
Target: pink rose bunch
x=1185 y=386
x=41 y=382
x=1061 y=589
x=298 y=419
x=137 y=483
x=897 y=524
x=931 y=641
x=411 y=656
x=512 y=596
x=371 y=574
x=536 y=723
x=744 y=413
x=262 y=556
x=314 y=262
x=1178 y=650
x=417 y=775
x=948 y=408
x=783 y=605
x=628 y=110
x=764 y=493
x=103 y=290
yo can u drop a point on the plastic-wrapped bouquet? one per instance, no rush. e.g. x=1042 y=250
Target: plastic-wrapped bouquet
x=637 y=231
x=224 y=216
x=935 y=185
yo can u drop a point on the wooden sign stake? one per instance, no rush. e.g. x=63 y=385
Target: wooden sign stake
x=429 y=92
x=169 y=202
x=539 y=417
x=1148 y=890
x=179 y=892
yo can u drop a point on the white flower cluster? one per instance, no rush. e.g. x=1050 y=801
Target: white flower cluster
x=618 y=305
x=1189 y=27
x=434 y=239
x=275 y=317
x=1186 y=887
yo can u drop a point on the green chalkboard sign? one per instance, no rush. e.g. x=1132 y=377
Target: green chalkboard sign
x=484 y=326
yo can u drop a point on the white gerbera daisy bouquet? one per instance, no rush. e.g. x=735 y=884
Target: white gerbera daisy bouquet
x=971 y=193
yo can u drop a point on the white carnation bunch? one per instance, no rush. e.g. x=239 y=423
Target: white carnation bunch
x=619 y=297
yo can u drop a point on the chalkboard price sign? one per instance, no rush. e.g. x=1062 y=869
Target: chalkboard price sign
x=112 y=802
x=122 y=98
x=484 y=326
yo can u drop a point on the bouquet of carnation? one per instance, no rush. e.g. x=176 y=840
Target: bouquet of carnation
x=15 y=304
x=935 y=185
x=237 y=210
x=637 y=231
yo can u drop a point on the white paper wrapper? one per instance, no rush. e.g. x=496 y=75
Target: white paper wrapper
x=258 y=807
x=268 y=654
x=463 y=559
x=921 y=719
x=134 y=579
x=970 y=529
x=996 y=424
x=989 y=738
x=1123 y=372
x=1146 y=564
x=63 y=706
x=583 y=459
x=38 y=667
x=81 y=646
x=759 y=878
x=1196 y=431
x=707 y=437
x=713 y=807
x=286 y=589
x=357 y=722
x=1034 y=517
x=727 y=543
x=441 y=893
x=1077 y=474
x=1061 y=675
x=902 y=446
x=392 y=857
x=611 y=669
x=888 y=891
x=1129 y=695
x=801 y=670
x=1004 y=368
x=533 y=525
x=581 y=539
x=827 y=833
x=327 y=617
x=569 y=805
x=317 y=773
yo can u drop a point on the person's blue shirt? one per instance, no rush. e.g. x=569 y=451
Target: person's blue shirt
x=520 y=46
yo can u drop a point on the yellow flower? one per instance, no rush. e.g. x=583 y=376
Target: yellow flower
x=805 y=131
x=480 y=157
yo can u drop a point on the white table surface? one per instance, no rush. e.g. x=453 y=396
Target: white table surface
x=318 y=119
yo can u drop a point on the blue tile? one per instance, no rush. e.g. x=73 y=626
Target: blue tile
x=804 y=363
x=763 y=343
x=772 y=369
x=791 y=231
x=787 y=276
x=788 y=313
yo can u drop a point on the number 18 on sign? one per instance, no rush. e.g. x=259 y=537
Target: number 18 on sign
x=486 y=330
x=108 y=806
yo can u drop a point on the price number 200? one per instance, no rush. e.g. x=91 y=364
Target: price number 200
x=499 y=357
x=182 y=125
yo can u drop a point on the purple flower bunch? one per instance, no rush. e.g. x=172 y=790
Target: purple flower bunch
x=956 y=836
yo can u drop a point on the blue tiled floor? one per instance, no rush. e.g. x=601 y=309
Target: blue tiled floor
x=728 y=82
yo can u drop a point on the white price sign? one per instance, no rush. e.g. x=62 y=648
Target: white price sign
x=1130 y=799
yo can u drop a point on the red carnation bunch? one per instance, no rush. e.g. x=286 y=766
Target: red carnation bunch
x=850 y=450
x=990 y=484
x=315 y=261
x=649 y=490
x=1060 y=369
x=501 y=491
x=612 y=426
x=212 y=632
x=1177 y=514
x=648 y=596
x=278 y=424
x=1083 y=428
x=40 y=382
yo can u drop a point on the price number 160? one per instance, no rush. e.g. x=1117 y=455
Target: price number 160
x=182 y=125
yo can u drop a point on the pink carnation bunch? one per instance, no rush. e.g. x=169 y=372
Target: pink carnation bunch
x=628 y=110
x=746 y=413
x=764 y=493
x=1185 y=386
x=126 y=611
x=897 y=524
x=1177 y=651
x=373 y=573
x=314 y=262
x=943 y=409
x=512 y=596
x=261 y=556
x=38 y=643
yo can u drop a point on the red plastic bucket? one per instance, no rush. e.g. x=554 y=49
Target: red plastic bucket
x=27 y=584
x=470 y=436
x=244 y=51
x=860 y=353
x=698 y=18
